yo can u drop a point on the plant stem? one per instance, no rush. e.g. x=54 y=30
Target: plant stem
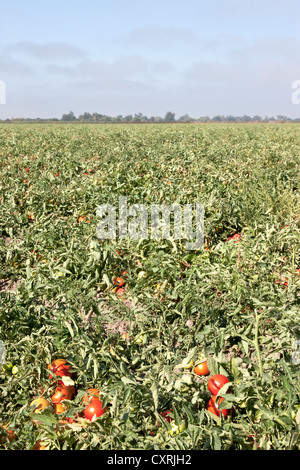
x=257 y=318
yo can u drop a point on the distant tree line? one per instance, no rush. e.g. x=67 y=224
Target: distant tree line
x=140 y=117
x=169 y=117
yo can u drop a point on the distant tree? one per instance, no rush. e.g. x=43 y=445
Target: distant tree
x=185 y=118
x=245 y=118
x=96 y=117
x=256 y=118
x=283 y=118
x=230 y=118
x=85 y=117
x=68 y=117
x=169 y=117
x=204 y=119
x=138 y=117
x=128 y=118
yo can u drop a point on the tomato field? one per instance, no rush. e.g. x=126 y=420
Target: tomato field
x=132 y=320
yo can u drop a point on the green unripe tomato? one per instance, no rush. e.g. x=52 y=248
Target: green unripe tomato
x=8 y=368
x=177 y=429
x=140 y=338
x=15 y=370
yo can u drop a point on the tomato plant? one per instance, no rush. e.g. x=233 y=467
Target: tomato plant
x=61 y=305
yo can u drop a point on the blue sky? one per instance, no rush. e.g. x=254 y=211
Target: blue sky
x=129 y=56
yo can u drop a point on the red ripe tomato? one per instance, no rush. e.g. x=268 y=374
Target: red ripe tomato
x=283 y=281
x=165 y=414
x=60 y=408
x=94 y=409
x=63 y=392
x=253 y=439
x=120 y=291
x=201 y=369
x=60 y=368
x=56 y=363
x=90 y=395
x=236 y=237
x=119 y=281
x=213 y=407
x=216 y=382
x=9 y=434
x=40 y=445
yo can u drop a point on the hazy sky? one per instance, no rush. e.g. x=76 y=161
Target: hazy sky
x=151 y=56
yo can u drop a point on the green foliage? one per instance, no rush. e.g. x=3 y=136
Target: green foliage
x=235 y=302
